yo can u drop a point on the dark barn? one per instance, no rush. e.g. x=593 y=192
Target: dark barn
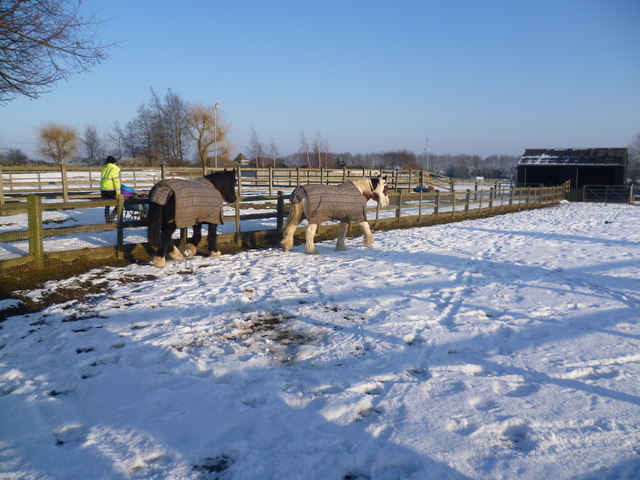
x=585 y=166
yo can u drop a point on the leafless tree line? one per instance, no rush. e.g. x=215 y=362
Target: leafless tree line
x=460 y=166
x=165 y=131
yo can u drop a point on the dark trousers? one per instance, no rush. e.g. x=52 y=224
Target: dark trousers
x=108 y=195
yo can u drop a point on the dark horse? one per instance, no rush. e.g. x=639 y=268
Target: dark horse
x=177 y=203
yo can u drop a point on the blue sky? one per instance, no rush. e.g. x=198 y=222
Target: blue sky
x=477 y=77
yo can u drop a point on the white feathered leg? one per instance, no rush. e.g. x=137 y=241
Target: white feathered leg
x=175 y=254
x=342 y=234
x=159 y=262
x=368 y=236
x=310 y=233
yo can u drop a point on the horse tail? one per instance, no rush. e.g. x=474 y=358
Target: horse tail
x=154 y=223
x=296 y=212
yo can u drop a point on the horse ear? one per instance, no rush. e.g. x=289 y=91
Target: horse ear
x=384 y=178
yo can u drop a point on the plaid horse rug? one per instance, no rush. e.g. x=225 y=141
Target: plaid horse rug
x=197 y=201
x=342 y=202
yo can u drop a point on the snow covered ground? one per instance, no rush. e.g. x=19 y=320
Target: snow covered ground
x=501 y=348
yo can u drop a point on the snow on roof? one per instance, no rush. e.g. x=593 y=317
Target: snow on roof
x=570 y=156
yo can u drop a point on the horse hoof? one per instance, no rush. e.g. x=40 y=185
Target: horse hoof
x=176 y=254
x=312 y=252
x=215 y=254
x=159 y=262
x=191 y=250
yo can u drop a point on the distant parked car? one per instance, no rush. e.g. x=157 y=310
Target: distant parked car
x=422 y=188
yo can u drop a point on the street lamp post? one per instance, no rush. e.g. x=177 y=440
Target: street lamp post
x=215 y=131
x=427 y=151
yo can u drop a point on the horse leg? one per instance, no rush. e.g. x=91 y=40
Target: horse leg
x=159 y=260
x=342 y=233
x=368 y=236
x=212 y=240
x=295 y=215
x=192 y=245
x=309 y=234
x=175 y=254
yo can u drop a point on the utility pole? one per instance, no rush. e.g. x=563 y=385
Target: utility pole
x=427 y=152
x=215 y=131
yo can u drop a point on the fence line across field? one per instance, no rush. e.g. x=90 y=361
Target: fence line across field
x=406 y=209
x=68 y=182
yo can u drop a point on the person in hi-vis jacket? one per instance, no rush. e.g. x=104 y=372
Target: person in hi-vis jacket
x=110 y=185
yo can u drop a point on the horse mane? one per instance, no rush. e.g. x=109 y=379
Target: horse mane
x=364 y=185
x=225 y=183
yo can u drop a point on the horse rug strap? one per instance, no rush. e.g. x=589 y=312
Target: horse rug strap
x=196 y=201
x=343 y=202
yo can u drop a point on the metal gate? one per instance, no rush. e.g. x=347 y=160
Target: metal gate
x=607 y=193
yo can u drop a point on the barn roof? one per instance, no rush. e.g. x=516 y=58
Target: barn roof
x=574 y=156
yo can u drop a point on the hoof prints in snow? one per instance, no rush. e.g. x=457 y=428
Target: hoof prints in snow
x=214 y=465
x=518 y=437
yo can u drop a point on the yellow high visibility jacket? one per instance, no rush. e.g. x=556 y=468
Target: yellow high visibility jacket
x=110 y=178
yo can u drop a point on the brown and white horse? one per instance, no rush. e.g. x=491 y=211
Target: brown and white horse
x=345 y=203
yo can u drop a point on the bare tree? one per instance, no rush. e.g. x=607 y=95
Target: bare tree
x=171 y=115
x=43 y=42
x=148 y=134
x=634 y=157
x=318 y=148
x=303 y=150
x=14 y=156
x=92 y=144
x=58 y=142
x=273 y=152
x=208 y=130
x=256 y=149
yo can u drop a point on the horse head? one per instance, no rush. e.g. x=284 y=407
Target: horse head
x=225 y=183
x=379 y=187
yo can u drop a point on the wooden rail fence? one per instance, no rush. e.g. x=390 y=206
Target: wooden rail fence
x=406 y=209
x=69 y=182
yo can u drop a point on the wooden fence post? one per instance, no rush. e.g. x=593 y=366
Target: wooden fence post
x=163 y=172
x=436 y=209
x=65 y=184
x=120 y=230
x=239 y=173
x=238 y=230
x=280 y=211
x=184 y=239
x=1 y=188
x=420 y=207
x=466 y=204
x=491 y=193
x=399 y=206
x=36 y=237
x=453 y=204
x=270 y=181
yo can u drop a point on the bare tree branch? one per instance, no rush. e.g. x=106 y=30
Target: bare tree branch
x=43 y=42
